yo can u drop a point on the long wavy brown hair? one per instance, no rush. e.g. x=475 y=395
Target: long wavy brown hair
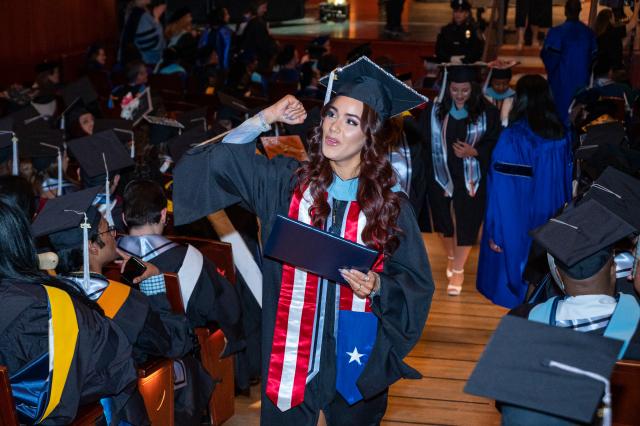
x=381 y=206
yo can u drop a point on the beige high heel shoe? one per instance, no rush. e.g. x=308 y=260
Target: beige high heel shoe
x=455 y=283
x=449 y=266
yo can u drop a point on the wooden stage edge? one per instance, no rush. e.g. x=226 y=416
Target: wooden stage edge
x=457 y=330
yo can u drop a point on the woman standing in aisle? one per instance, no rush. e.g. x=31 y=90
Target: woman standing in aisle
x=326 y=347
x=463 y=128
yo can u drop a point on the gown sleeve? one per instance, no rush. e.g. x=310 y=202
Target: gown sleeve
x=216 y=176
x=490 y=138
x=406 y=290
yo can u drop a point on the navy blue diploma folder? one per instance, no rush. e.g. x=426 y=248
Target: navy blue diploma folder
x=315 y=250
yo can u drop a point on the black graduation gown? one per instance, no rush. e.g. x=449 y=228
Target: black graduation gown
x=214 y=299
x=419 y=172
x=469 y=210
x=102 y=364
x=459 y=40
x=216 y=176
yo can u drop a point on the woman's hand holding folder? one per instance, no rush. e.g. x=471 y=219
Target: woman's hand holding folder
x=362 y=284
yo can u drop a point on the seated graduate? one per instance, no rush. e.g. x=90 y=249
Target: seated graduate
x=207 y=295
x=585 y=269
x=347 y=188
x=145 y=316
x=497 y=90
x=53 y=340
x=44 y=147
x=137 y=78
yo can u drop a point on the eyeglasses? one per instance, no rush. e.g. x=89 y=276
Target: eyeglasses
x=111 y=230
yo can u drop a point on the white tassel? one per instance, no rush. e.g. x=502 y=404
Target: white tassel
x=85 y=225
x=107 y=193
x=327 y=96
x=487 y=81
x=16 y=162
x=444 y=85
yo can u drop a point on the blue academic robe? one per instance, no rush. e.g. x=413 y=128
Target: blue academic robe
x=517 y=203
x=567 y=54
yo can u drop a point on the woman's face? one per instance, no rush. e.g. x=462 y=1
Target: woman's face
x=342 y=136
x=460 y=93
x=226 y=15
x=86 y=123
x=101 y=57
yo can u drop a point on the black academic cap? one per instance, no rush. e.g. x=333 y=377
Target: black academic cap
x=233 y=103
x=320 y=40
x=41 y=144
x=180 y=144
x=47 y=66
x=502 y=73
x=122 y=128
x=581 y=238
x=25 y=116
x=88 y=151
x=611 y=133
x=162 y=129
x=367 y=82
x=194 y=118
x=619 y=193
x=460 y=4
x=523 y=362
x=463 y=73
x=82 y=89
x=145 y=106
x=53 y=220
x=6 y=125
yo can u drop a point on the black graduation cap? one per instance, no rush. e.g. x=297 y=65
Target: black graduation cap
x=122 y=128
x=611 y=133
x=47 y=66
x=25 y=116
x=581 y=238
x=6 y=127
x=82 y=89
x=233 y=103
x=460 y=4
x=463 y=73
x=180 y=144
x=54 y=220
x=41 y=144
x=88 y=151
x=620 y=193
x=162 y=129
x=542 y=368
x=194 y=118
x=367 y=82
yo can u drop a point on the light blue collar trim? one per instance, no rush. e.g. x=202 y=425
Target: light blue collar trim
x=458 y=114
x=347 y=190
x=499 y=96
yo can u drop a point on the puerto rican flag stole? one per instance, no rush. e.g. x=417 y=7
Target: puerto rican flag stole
x=295 y=355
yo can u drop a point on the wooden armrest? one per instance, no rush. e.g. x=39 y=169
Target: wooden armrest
x=88 y=415
x=151 y=366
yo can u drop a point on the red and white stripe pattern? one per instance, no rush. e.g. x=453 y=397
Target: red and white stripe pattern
x=292 y=336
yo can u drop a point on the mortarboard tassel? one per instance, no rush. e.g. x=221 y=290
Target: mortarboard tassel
x=132 y=151
x=59 y=158
x=85 y=225
x=606 y=398
x=16 y=162
x=444 y=86
x=327 y=96
x=487 y=81
x=107 y=193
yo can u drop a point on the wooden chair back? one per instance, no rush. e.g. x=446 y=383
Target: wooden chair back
x=625 y=392
x=155 y=384
x=88 y=415
x=212 y=344
x=7 y=406
x=216 y=251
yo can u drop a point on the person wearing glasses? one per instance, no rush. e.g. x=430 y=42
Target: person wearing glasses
x=144 y=315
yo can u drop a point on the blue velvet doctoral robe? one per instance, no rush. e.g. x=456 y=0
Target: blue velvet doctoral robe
x=517 y=203
x=567 y=55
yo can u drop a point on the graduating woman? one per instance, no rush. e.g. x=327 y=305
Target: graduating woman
x=330 y=347
x=528 y=181
x=463 y=128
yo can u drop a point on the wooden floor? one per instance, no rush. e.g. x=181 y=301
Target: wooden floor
x=455 y=335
